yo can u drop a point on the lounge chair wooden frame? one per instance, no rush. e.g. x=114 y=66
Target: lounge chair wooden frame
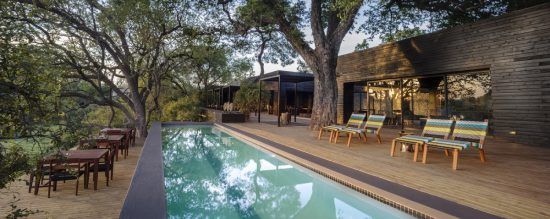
x=356 y=119
x=433 y=127
x=474 y=131
x=373 y=125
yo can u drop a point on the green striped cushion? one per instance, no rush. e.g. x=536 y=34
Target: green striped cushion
x=334 y=127
x=470 y=129
x=414 y=139
x=450 y=143
x=356 y=119
x=375 y=121
x=439 y=127
x=358 y=130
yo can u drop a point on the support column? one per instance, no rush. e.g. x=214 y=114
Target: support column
x=446 y=96
x=259 y=100
x=402 y=105
x=279 y=104
x=295 y=100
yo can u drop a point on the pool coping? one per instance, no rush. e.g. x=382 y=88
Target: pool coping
x=146 y=197
x=411 y=201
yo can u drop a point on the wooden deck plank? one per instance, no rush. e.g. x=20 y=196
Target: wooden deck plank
x=106 y=202
x=512 y=183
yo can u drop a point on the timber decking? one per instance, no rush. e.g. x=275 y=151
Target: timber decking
x=513 y=183
x=105 y=202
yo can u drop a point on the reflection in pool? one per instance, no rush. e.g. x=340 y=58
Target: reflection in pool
x=210 y=174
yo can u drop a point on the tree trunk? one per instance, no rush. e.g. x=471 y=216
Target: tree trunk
x=326 y=91
x=141 y=120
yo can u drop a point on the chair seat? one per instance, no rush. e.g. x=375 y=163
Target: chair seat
x=414 y=139
x=65 y=176
x=334 y=127
x=454 y=144
x=357 y=130
x=101 y=167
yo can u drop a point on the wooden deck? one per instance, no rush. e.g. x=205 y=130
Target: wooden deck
x=513 y=183
x=106 y=202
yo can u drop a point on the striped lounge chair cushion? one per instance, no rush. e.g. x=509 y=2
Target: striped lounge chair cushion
x=471 y=129
x=356 y=119
x=438 y=127
x=358 y=130
x=414 y=139
x=334 y=127
x=455 y=144
x=375 y=121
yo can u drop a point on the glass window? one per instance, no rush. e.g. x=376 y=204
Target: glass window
x=359 y=98
x=470 y=95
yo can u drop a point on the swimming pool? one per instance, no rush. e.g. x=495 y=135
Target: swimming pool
x=210 y=174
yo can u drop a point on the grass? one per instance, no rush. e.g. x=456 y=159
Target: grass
x=28 y=144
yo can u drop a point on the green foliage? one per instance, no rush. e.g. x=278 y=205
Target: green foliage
x=394 y=20
x=100 y=116
x=186 y=108
x=14 y=161
x=402 y=34
x=248 y=96
x=362 y=45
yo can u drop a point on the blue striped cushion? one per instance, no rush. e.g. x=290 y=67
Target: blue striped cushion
x=357 y=130
x=334 y=127
x=414 y=139
x=450 y=143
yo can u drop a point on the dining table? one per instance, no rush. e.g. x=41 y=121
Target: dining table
x=86 y=156
x=115 y=142
x=110 y=131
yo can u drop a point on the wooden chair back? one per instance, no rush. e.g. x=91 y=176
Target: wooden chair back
x=356 y=119
x=375 y=122
x=438 y=128
x=473 y=131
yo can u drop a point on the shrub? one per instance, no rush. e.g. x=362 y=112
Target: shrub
x=186 y=108
x=246 y=98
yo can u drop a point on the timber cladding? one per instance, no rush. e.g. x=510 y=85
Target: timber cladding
x=515 y=48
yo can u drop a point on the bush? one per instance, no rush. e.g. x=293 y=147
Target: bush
x=186 y=108
x=246 y=98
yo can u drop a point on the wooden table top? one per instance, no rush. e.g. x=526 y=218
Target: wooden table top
x=82 y=154
x=115 y=129
x=111 y=137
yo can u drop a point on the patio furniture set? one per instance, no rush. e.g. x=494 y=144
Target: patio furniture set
x=94 y=155
x=436 y=134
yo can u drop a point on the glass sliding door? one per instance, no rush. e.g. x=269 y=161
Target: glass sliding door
x=384 y=98
x=410 y=101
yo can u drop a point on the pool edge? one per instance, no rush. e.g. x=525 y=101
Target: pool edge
x=146 y=197
x=399 y=202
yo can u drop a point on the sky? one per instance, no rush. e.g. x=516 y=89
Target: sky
x=348 y=46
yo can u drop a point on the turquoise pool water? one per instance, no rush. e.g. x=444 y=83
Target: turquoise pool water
x=210 y=174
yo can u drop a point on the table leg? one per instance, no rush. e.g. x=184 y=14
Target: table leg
x=37 y=183
x=116 y=150
x=96 y=170
x=86 y=175
x=107 y=166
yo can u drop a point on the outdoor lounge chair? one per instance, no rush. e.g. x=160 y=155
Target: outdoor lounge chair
x=373 y=125
x=356 y=119
x=472 y=132
x=434 y=127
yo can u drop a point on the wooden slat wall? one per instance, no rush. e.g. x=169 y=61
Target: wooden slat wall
x=515 y=47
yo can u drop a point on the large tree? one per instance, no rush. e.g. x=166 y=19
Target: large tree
x=120 y=49
x=330 y=21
